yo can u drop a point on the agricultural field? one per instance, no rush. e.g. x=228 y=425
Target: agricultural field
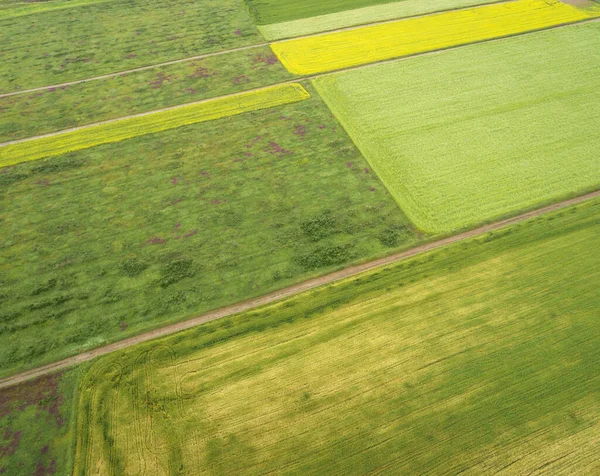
x=471 y=359
x=379 y=42
x=112 y=240
x=59 y=41
x=360 y=16
x=54 y=109
x=455 y=148
x=299 y=237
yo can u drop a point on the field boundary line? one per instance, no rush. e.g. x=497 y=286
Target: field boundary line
x=299 y=79
x=232 y=50
x=290 y=291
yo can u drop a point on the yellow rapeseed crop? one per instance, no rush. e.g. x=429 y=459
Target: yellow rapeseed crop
x=119 y=130
x=333 y=51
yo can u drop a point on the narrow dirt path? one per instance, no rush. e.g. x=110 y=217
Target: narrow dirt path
x=286 y=292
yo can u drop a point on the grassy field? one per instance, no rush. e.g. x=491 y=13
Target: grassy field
x=370 y=44
x=107 y=242
x=66 y=40
x=477 y=358
x=128 y=128
x=38 y=425
x=456 y=148
x=40 y=112
x=265 y=12
x=362 y=16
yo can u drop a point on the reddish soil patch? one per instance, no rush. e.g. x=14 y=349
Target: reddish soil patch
x=42 y=470
x=12 y=440
x=42 y=392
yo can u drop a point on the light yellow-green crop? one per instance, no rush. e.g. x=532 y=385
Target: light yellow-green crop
x=119 y=130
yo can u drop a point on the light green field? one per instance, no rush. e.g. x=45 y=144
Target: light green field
x=479 y=132
x=362 y=16
x=108 y=242
x=60 y=41
x=475 y=359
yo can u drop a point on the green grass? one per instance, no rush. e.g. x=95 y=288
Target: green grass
x=65 y=41
x=265 y=12
x=38 y=424
x=47 y=111
x=107 y=242
x=480 y=357
x=479 y=132
x=362 y=16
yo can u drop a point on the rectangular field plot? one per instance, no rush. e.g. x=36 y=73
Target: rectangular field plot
x=473 y=134
x=127 y=128
x=64 y=40
x=109 y=241
x=470 y=360
x=362 y=16
x=369 y=44
x=266 y=12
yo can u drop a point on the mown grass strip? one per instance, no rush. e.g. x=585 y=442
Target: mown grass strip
x=362 y=16
x=150 y=123
x=334 y=51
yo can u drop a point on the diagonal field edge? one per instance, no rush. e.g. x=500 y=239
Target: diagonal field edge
x=290 y=291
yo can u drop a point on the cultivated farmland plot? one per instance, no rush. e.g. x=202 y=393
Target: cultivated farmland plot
x=476 y=133
x=240 y=152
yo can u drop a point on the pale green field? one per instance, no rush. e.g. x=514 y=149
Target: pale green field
x=362 y=16
x=479 y=132
x=475 y=359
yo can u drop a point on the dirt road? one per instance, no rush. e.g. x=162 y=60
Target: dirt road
x=286 y=292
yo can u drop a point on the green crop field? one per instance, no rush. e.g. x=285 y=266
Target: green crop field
x=479 y=132
x=50 y=110
x=109 y=241
x=60 y=41
x=265 y=12
x=477 y=358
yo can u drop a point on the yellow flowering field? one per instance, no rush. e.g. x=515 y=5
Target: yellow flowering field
x=116 y=131
x=334 y=51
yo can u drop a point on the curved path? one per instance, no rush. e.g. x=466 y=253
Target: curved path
x=286 y=292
